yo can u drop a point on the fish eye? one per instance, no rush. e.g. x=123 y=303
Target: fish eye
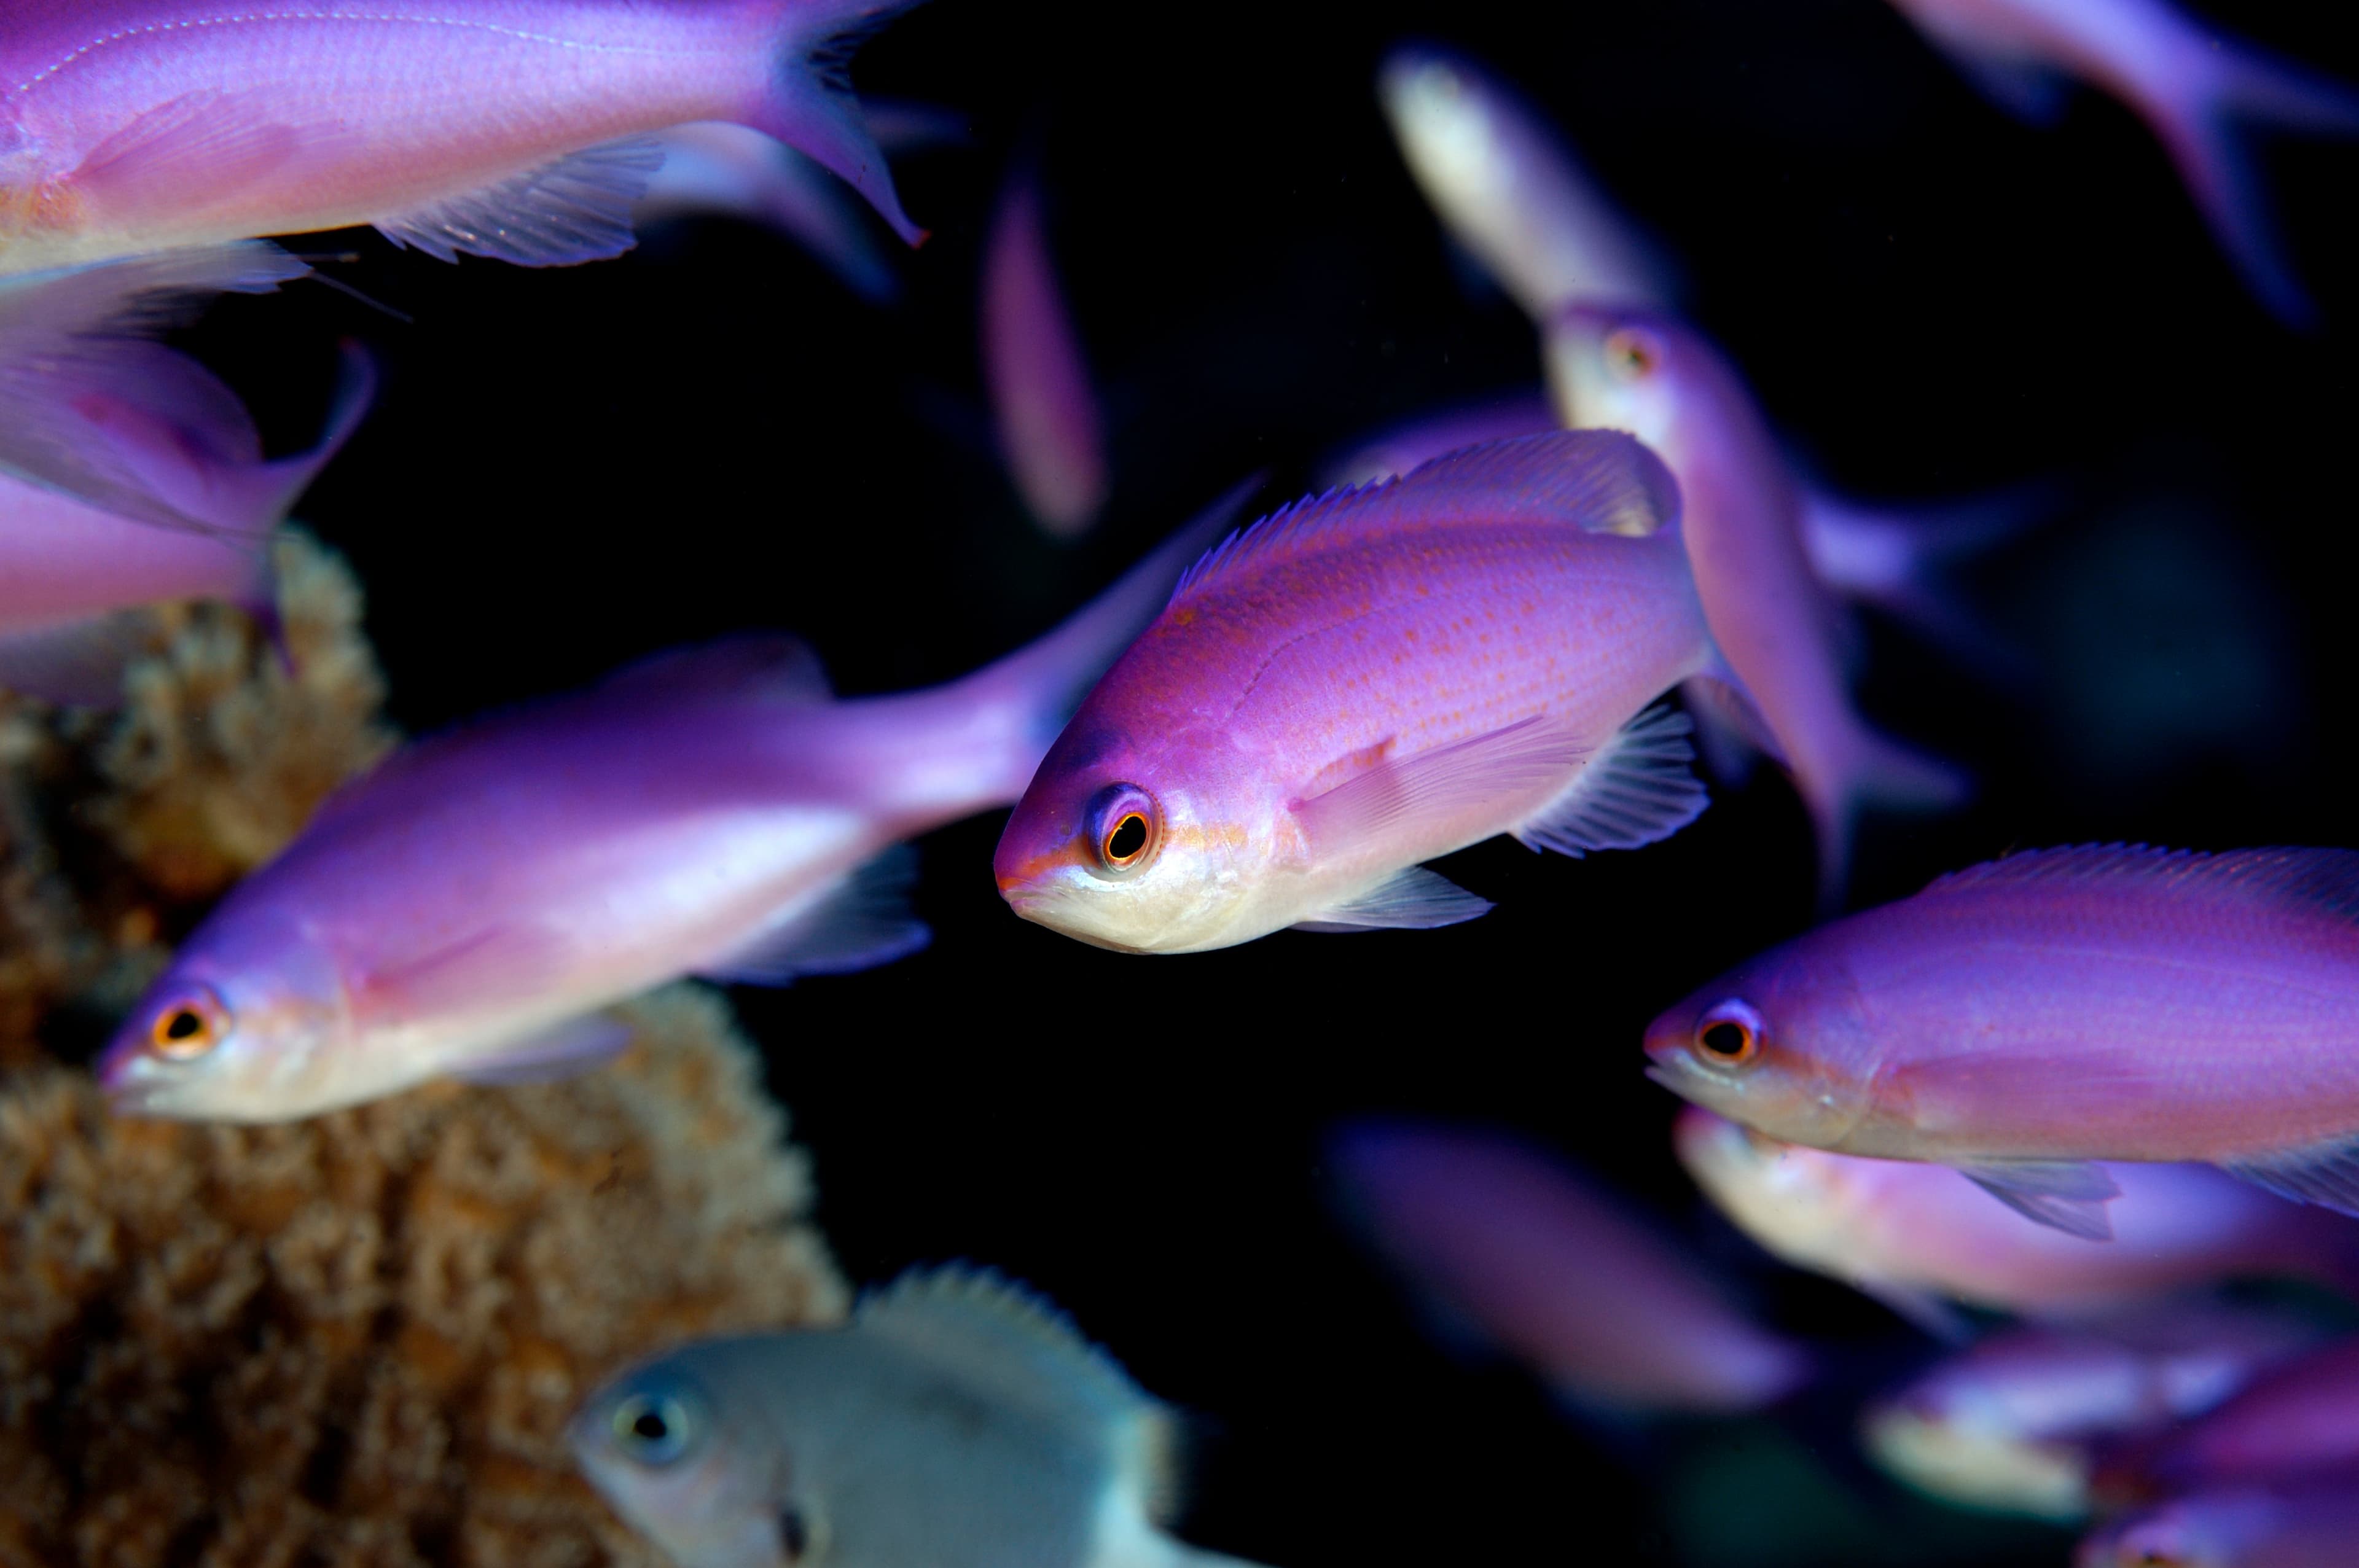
x=653 y=1429
x=1729 y=1034
x=1122 y=821
x=1630 y=354
x=190 y=1027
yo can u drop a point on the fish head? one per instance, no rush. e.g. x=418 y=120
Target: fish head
x=244 y=1016
x=1781 y=1044
x=1620 y=368
x=1113 y=845
x=658 y=1444
x=2214 y=1530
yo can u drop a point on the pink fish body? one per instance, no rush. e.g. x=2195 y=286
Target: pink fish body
x=2012 y=1424
x=468 y=906
x=1368 y=681
x=1050 y=434
x=2022 y=1018
x=1908 y=1232
x=493 y=127
x=2301 y=1418
x=2181 y=77
x=1776 y=626
x=2295 y=1525
x=1556 y=1273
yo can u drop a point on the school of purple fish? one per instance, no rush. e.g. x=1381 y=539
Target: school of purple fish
x=2080 y=1087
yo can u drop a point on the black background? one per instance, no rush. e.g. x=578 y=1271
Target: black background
x=572 y=468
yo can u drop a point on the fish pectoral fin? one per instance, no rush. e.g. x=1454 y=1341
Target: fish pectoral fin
x=198 y=148
x=2326 y=1174
x=1411 y=898
x=2068 y=1196
x=1442 y=783
x=565 y=1050
x=577 y=209
x=1635 y=789
x=865 y=922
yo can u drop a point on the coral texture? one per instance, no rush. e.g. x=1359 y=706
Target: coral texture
x=352 y=1340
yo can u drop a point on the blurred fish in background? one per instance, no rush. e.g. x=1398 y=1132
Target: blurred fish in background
x=2284 y=1524
x=1506 y=1241
x=2015 y=1421
x=467 y=907
x=1051 y=432
x=957 y=1422
x=517 y=130
x=2189 y=81
x=1918 y=1236
x=2300 y=1421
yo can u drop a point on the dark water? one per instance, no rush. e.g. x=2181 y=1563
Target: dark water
x=571 y=469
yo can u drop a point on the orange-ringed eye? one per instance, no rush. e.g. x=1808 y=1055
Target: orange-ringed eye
x=1630 y=356
x=1122 y=824
x=1729 y=1035
x=1128 y=838
x=188 y=1028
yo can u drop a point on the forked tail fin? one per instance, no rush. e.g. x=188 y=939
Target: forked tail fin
x=1880 y=771
x=810 y=104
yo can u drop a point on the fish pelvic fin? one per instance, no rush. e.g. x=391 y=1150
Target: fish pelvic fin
x=2325 y=1174
x=564 y=1050
x=809 y=102
x=2068 y=1196
x=1412 y=899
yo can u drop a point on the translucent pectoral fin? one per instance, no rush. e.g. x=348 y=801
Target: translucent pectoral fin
x=1446 y=782
x=864 y=923
x=577 y=209
x=2323 y=1173
x=2068 y=1196
x=566 y=1050
x=199 y=148
x=1413 y=899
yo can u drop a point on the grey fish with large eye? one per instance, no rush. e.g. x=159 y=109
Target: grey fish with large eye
x=956 y=1422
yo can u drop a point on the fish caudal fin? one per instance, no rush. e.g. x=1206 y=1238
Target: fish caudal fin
x=2195 y=123
x=1033 y=690
x=1879 y=773
x=258 y=499
x=810 y=103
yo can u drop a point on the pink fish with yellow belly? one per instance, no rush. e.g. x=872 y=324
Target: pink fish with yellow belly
x=1371 y=679
x=507 y=128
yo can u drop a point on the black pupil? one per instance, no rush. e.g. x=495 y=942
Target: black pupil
x=792 y=1536
x=651 y=1426
x=183 y=1025
x=1128 y=838
x=1724 y=1039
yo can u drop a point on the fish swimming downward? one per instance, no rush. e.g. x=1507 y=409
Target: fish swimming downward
x=2176 y=72
x=2025 y=1019
x=1916 y=1235
x=1052 y=434
x=1740 y=516
x=1370 y=679
x=956 y=1422
x=468 y=907
x=506 y=128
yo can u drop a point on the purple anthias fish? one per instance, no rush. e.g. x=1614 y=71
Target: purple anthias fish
x=2015 y=1422
x=2294 y=1525
x=1916 y=1235
x=468 y=907
x=2301 y=1419
x=718 y=167
x=507 y=128
x=1510 y=190
x=2179 y=74
x=1776 y=626
x=1370 y=679
x=1050 y=433
x=1503 y=1237
x=2024 y=1019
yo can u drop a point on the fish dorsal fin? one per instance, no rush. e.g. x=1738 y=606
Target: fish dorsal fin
x=996 y=1335
x=772 y=665
x=576 y=209
x=1601 y=481
x=2324 y=881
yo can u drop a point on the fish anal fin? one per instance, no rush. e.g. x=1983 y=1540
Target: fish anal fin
x=1635 y=789
x=2063 y=1194
x=564 y=1050
x=1441 y=783
x=864 y=923
x=197 y=149
x=1411 y=898
x=2326 y=1174
x=576 y=209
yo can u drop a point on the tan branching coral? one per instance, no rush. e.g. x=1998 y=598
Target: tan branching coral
x=351 y=1341
x=355 y=1340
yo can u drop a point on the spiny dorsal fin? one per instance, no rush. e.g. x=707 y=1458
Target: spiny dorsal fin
x=999 y=1336
x=2326 y=881
x=1601 y=481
